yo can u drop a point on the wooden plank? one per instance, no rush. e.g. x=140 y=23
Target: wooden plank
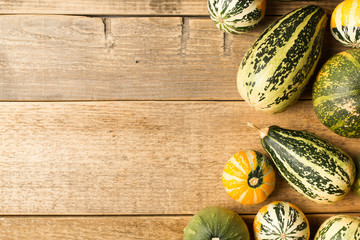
x=145 y=58
x=145 y=227
x=137 y=157
x=138 y=7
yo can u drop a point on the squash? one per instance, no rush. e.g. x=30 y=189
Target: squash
x=274 y=71
x=248 y=177
x=216 y=223
x=342 y=227
x=281 y=220
x=336 y=93
x=313 y=166
x=357 y=179
x=345 y=23
x=236 y=16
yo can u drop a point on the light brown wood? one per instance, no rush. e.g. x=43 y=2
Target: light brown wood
x=139 y=7
x=138 y=157
x=145 y=58
x=143 y=227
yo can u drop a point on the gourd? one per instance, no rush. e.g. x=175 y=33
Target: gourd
x=345 y=23
x=336 y=93
x=342 y=227
x=276 y=68
x=216 y=223
x=248 y=177
x=313 y=166
x=357 y=179
x=236 y=16
x=281 y=220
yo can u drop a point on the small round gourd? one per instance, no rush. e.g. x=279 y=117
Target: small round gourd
x=281 y=220
x=236 y=16
x=345 y=23
x=248 y=177
x=216 y=223
x=342 y=227
x=336 y=94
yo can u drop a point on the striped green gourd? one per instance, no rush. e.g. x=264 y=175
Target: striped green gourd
x=276 y=68
x=336 y=94
x=311 y=165
x=281 y=221
x=236 y=16
x=342 y=227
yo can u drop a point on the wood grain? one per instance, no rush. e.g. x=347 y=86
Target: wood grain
x=130 y=58
x=138 y=7
x=141 y=227
x=137 y=157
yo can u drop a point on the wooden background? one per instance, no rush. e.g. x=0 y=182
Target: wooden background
x=117 y=117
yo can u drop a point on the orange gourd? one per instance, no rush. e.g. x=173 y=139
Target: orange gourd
x=248 y=177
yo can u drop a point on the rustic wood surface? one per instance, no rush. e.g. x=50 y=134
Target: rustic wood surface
x=138 y=157
x=132 y=58
x=117 y=118
x=138 y=7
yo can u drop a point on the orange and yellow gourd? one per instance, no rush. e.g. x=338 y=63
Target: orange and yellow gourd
x=345 y=23
x=248 y=177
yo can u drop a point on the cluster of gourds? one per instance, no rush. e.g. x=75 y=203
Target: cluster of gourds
x=271 y=77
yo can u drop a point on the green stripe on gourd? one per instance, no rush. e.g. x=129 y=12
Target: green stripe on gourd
x=275 y=70
x=312 y=166
x=336 y=93
x=281 y=221
x=236 y=16
x=342 y=227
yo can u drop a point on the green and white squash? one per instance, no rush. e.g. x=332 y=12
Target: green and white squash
x=236 y=16
x=212 y=223
x=281 y=221
x=336 y=93
x=311 y=165
x=342 y=227
x=274 y=71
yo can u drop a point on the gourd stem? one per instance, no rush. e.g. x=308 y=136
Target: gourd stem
x=263 y=132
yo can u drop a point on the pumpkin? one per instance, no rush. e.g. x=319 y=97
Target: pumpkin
x=236 y=16
x=248 y=177
x=281 y=220
x=216 y=223
x=345 y=23
x=336 y=93
x=342 y=227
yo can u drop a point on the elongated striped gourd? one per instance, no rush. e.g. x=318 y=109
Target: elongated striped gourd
x=311 y=165
x=276 y=68
x=236 y=16
x=281 y=221
x=345 y=23
x=342 y=227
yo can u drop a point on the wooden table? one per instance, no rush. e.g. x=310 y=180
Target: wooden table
x=117 y=117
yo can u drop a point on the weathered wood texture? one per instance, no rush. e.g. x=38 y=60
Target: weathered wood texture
x=138 y=7
x=145 y=58
x=134 y=228
x=137 y=157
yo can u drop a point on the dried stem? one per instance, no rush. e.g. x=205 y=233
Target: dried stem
x=263 y=132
